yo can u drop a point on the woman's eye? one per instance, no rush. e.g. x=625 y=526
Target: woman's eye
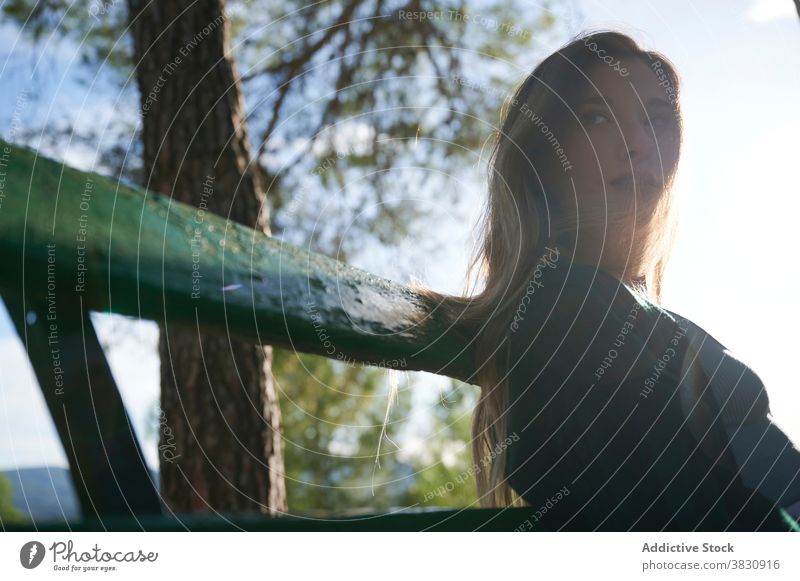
x=594 y=118
x=660 y=120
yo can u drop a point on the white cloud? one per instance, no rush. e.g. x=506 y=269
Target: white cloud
x=769 y=10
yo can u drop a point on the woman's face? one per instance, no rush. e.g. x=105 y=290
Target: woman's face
x=626 y=144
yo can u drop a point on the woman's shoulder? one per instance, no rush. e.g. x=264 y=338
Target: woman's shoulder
x=581 y=316
x=574 y=284
x=577 y=297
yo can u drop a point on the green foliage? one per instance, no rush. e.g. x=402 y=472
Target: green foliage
x=333 y=415
x=8 y=513
x=97 y=26
x=445 y=472
x=354 y=81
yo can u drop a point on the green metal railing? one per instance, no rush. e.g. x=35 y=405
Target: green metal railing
x=76 y=242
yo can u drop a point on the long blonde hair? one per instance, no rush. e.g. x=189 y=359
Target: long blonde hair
x=519 y=221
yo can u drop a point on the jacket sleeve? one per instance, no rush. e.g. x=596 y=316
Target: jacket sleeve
x=602 y=441
x=767 y=459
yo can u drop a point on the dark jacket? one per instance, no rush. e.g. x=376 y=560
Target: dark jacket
x=610 y=426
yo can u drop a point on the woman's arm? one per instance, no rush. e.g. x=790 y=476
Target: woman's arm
x=767 y=459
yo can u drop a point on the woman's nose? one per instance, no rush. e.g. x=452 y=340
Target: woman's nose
x=636 y=142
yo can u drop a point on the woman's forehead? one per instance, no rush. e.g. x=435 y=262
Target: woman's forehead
x=641 y=83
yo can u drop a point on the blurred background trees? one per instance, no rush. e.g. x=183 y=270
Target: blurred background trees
x=8 y=513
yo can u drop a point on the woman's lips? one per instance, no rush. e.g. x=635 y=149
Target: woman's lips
x=623 y=181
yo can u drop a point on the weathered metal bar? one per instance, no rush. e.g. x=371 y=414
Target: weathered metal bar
x=108 y=469
x=130 y=251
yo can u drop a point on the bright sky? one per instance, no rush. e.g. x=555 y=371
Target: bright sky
x=741 y=83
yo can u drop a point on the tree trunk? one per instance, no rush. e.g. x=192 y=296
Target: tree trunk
x=220 y=436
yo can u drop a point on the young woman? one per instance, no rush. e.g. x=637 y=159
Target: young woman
x=599 y=408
